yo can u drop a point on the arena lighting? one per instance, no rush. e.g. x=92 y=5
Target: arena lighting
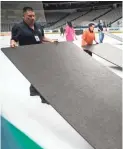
x=62 y=2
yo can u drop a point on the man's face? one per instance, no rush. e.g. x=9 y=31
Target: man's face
x=29 y=17
x=92 y=28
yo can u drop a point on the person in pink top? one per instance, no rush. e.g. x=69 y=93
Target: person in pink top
x=69 y=32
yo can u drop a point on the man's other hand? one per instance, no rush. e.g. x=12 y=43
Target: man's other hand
x=13 y=44
x=55 y=41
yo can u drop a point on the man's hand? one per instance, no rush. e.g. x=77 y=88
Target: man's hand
x=46 y=39
x=13 y=44
x=55 y=41
x=96 y=42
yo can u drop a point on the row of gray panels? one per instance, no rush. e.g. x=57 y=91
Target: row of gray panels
x=114 y=36
x=84 y=92
x=107 y=52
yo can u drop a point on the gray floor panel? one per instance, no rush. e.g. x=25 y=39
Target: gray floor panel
x=107 y=52
x=84 y=92
x=114 y=36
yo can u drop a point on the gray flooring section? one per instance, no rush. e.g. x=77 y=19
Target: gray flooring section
x=84 y=92
x=107 y=52
x=114 y=36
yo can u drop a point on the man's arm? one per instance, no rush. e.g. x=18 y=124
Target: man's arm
x=14 y=36
x=84 y=36
x=95 y=39
x=46 y=39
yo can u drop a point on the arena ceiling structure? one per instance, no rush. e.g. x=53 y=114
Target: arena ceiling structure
x=50 y=5
x=11 y=11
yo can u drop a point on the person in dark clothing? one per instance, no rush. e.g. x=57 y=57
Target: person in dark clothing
x=61 y=31
x=29 y=32
x=100 y=30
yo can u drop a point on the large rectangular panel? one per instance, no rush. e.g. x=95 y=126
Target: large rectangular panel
x=107 y=52
x=83 y=91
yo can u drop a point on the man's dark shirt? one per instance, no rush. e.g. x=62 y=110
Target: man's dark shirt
x=23 y=34
x=100 y=27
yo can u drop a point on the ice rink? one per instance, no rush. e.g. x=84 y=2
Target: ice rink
x=40 y=121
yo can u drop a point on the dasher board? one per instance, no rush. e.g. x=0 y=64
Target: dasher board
x=13 y=138
x=84 y=92
x=107 y=52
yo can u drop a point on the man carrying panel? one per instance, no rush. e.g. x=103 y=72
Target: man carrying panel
x=29 y=32
x=88 y=37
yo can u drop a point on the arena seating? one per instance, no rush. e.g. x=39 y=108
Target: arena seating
x=112 y=15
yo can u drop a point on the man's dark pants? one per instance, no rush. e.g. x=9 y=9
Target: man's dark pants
x=34 y=92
